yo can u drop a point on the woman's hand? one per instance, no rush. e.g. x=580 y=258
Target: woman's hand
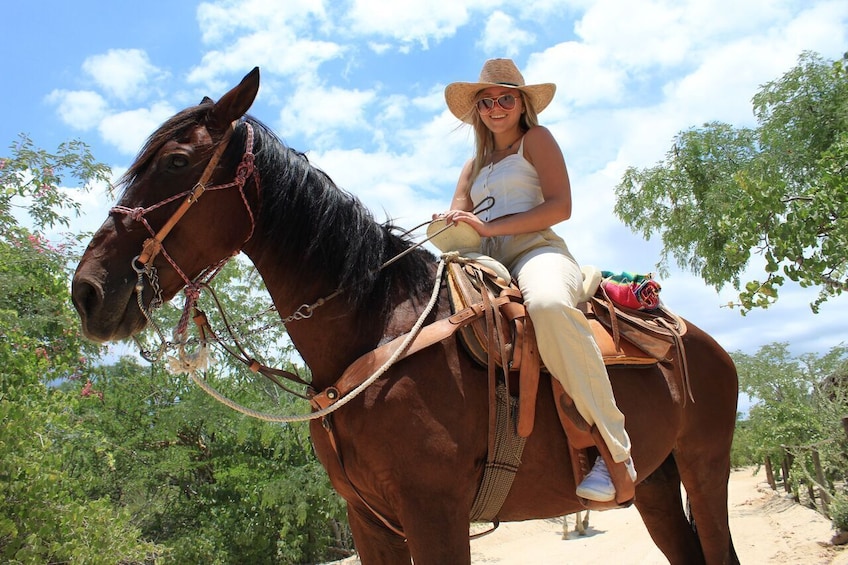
x=453 y=216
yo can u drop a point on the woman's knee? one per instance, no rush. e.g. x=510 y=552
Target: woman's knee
x=546 y=304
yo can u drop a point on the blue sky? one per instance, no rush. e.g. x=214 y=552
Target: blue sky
x=358 y=85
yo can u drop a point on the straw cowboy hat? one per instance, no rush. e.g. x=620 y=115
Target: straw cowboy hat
x=496 y=72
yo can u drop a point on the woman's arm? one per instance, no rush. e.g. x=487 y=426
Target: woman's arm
x=462 y=194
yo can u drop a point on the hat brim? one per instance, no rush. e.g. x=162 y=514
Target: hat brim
x=459 y=96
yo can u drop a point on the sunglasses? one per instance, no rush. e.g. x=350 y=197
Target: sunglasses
x=486 y=105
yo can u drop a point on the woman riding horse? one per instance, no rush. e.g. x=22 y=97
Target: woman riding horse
x=408 y=453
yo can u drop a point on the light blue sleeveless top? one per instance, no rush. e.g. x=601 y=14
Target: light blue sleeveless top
x=514 y=184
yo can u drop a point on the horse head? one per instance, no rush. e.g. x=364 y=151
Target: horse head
x=161 y=235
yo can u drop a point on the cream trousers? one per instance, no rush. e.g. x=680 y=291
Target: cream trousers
x=551 y=282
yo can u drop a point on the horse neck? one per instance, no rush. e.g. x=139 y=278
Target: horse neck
x=310 y=239
x=336 y=333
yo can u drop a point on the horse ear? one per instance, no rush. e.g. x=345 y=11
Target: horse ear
x=235 y=103
x=206 y=100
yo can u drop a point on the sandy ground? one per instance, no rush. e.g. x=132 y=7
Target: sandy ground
x=766 y=527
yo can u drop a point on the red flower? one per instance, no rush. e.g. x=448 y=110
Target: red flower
x=87 y=391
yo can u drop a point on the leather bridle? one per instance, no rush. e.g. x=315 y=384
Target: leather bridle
x=153 y=246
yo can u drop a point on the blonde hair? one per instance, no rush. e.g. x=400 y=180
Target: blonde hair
x=484 y=140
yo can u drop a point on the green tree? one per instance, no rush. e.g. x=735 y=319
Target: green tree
x=45 y=515
x=210 y=484
x=782 y=386
x=122 y=463
x=31 y=179
x=779 y=190
x=33 y=270
x=798 y=406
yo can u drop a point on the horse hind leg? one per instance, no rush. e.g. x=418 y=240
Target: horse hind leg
x=732 y=559
x=705 y=481
x=581 y=521
x=702 y=455
x=660 y=505
x=579 y=524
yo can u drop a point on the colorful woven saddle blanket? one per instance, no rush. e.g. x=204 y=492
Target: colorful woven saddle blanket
x=631 y=290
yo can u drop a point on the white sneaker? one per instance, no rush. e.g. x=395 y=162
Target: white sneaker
x=597 y=485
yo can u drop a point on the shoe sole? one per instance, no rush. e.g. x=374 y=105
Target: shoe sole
x=595 y=496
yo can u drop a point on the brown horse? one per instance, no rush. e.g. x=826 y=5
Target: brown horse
x=414 y=443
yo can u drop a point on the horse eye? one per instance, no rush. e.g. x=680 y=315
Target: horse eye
x=177 y=161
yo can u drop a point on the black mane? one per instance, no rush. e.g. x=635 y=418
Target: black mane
x=325 y=231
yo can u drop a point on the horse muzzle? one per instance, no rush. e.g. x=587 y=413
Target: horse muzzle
x=106 y=314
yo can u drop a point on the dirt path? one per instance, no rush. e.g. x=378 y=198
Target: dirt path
x=766 y=528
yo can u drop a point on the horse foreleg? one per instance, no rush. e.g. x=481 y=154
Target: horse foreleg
x=581 y=522
x=660 y=505
x=434 y=537
x=375 y=543
x=437 y=531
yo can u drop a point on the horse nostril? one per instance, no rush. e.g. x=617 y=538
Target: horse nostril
x=85 y=295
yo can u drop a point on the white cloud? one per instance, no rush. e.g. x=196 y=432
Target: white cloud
x=379 y=47
x=407 y=22
x=95 y=201
x=128 y=130
x=387 y=183
x=219 y=21
x=666 y=33
x=545 y=10
x=288 y=38
x=582 y=74
x=122 y=73
x=319 y=112
x=822 y=27
x=80 y=109
x=502 y=36
x=278 y=52
x=636 y=33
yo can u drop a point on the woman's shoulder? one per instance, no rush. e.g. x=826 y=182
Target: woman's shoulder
x=539 y=134
x=538 y=141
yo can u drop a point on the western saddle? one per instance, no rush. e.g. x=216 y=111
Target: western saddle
x=493 y=325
